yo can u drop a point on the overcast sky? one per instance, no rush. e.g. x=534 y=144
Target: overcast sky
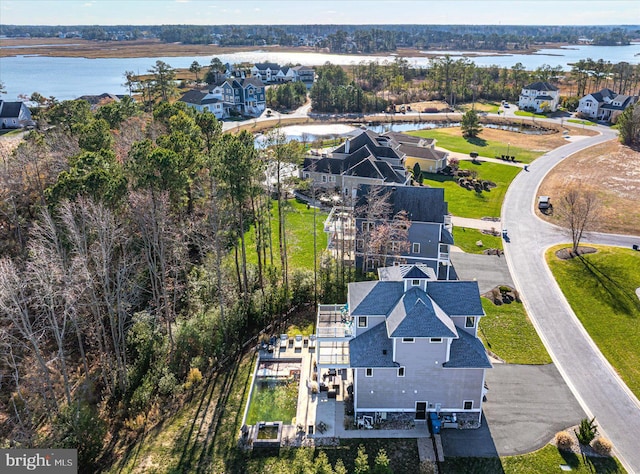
x=217 y=12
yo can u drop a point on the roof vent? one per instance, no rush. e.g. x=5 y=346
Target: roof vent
x=384 y=352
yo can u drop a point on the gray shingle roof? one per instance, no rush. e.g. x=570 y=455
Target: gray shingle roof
x=422 y=204
x=372 y=349
x=600 y=95
x=541 y=86
x=368 y=298
x=446 y=237
x=456 y=298
x=10 y=109
x=265 y=66
x=544 y=97
x=467 y=352
x=415 y=315
x=422 y=152
x=416 y=271
x=193 y=97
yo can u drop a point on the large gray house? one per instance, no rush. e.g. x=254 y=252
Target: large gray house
x=365 y=159
x=410 y=343
x=350 y=228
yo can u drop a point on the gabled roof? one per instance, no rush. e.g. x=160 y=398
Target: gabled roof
x=408 y=139
x=372 y=349
x=365 y=169
x=541 y=86
x=400 y=272
x=417 y=272
x=370 y=298
x=265 y=66
x=253 y=81
x=467 y=352
x=303 y=68
x=422 y=204
x=193 y=97
x=601 y=94
x=446 y=237
x=379 y=146
x=421 y=152
x=415 y=315
x=10 y=109
x=456 y=298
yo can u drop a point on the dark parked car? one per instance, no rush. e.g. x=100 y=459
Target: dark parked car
x=544 y=202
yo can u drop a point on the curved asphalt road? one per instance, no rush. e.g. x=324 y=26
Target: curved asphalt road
x=591 y=378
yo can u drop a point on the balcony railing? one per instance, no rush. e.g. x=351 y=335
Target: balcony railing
x=334 y=322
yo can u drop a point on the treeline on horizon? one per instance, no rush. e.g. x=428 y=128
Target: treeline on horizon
x=347 y=38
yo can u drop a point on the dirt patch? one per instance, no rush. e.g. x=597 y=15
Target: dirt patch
x=8 y=143
x=615 y=169
x=567 y=254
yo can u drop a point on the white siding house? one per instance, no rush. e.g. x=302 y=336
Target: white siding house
x=539 y=97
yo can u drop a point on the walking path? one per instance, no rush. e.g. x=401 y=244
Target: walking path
x=480 y=224
x=593 y=381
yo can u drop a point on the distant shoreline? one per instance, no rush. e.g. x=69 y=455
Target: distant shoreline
x=79 y=48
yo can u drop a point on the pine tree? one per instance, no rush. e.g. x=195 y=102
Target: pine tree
x=470 y=124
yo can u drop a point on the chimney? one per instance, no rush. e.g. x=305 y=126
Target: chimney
x=346 y=146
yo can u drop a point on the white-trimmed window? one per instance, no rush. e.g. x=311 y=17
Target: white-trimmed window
x=470 y=322
x=400 y=371
x=415 y=282
x=359 y=244
x=368 y=372
x=368 y=226
x=408 y=340
x=362 y=321
x=466 y=405
x=306 y=176
x=415 y=247
x=324 y=179
x=435 y=340
x=332 y=179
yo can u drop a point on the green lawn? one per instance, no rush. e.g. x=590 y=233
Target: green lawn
x=488 y=148
x=544 y=461
x=600 y=287
x=466 y=239
x=299 y=229
x=272 y=401
x=468 y=203
x=582 y=122
x=507 y=332
x=524 y=113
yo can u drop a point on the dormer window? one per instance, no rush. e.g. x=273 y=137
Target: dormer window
x=470 y=322
x=415 y=282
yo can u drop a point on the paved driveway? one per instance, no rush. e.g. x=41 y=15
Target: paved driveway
x=526 y=406
x=489 y=270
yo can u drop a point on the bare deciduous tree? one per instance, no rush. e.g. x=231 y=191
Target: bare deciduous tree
x=374 y=208
x=578 y=209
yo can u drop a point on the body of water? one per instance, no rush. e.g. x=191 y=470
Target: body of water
x=68 y=78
